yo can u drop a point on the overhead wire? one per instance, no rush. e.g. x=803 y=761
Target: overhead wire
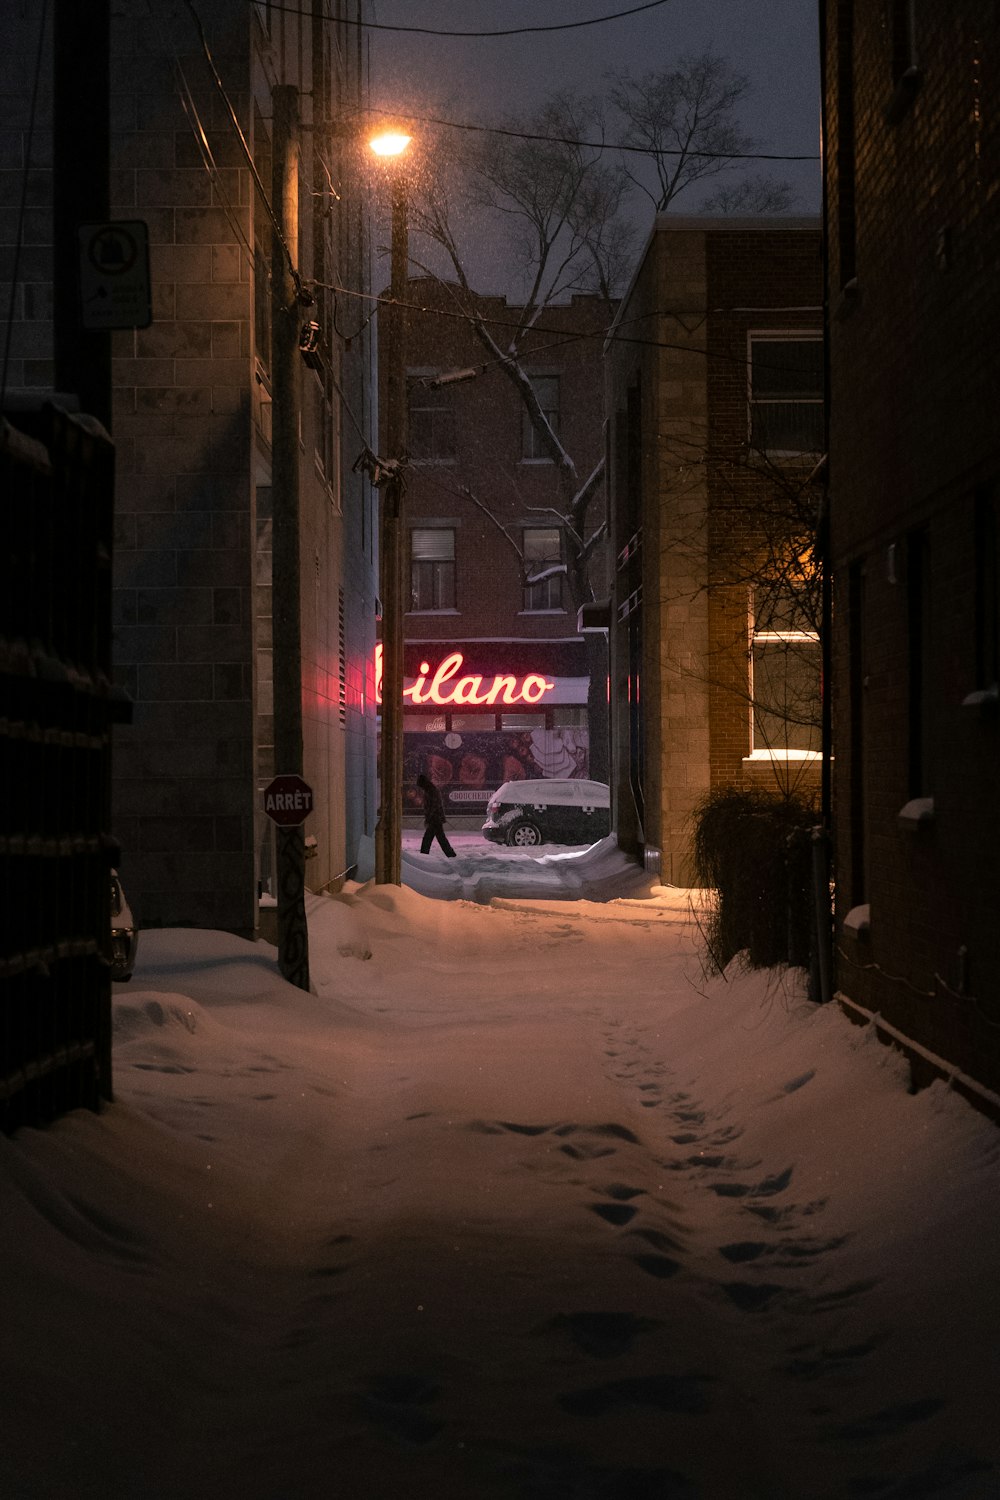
x=208 y=158
x=209 y=163
x=561 y=335
x=619 y=15
x=248 y=154
x=382 y=300
x=624 y=146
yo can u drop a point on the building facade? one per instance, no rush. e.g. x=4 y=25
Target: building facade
x=912 y=189
x=715 y=407
x=191 y=159
x=497 y=674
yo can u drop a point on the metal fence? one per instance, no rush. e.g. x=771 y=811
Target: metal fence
x=57 y=705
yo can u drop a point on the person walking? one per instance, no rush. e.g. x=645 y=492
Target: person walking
x=433 y=818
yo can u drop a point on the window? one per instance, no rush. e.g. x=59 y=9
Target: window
x=786 y=393
x=546 y=389
x=432 y=568
x=785 y=663
x=542 y=550
x=432 y=424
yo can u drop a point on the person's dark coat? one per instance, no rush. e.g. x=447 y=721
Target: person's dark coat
x=433 y=818
x=433 y=806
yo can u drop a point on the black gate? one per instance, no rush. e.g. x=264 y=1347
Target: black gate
x=56 y=709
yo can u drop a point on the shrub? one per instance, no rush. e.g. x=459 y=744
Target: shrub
x=752 y=849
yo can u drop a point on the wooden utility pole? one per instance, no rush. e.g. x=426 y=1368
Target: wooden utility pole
x=293 y=936
x=392 y=560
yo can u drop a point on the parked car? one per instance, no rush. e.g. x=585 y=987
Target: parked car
x=556 y=811
x=124 y=933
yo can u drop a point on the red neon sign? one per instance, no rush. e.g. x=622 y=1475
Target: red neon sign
x=445 y=688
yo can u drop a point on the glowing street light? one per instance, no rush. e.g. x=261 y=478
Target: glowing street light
x=390 y=143
x=389 y=827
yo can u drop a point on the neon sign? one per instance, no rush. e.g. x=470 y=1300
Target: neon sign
x=445 y=688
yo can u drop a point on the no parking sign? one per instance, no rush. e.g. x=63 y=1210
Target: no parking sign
x=114 y=275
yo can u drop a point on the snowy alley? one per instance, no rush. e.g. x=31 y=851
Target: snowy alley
x=519 y=1203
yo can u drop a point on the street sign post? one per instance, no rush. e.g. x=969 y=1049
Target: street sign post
x=114 y=275
x=288 y=801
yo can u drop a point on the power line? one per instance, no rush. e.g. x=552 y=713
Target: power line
x=293 y=269
x=618 y=15
x=562 y=336
x=565 y=140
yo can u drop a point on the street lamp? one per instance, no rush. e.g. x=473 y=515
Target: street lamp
x=391 y=145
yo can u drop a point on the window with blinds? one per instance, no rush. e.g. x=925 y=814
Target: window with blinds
x=432 y=568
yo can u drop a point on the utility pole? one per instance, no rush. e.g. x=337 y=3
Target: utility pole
x=293 y=936
x=389 y=828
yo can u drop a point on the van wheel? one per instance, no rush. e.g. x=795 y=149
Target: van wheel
x=523 y=834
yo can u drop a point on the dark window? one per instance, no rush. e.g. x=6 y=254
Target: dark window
x=432 y=424
x=987 y=589
x=546 y=389
x=786 y=394
x=543 y=551
x=432 y=568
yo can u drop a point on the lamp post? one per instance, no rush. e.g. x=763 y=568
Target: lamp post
x=388 y=829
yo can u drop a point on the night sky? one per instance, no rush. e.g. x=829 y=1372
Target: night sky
x=475 y=79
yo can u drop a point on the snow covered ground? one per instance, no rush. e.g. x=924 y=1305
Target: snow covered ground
x=516 y=1204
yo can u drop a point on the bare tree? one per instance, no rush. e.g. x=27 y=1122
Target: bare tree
x=685 y=118
x=561 y=204
x=756 y=194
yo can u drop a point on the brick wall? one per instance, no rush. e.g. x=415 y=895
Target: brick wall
x=702 y=287
x=913 y=439
x=487 y=422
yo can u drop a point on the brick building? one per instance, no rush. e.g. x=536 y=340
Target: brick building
x=482 y=512
x=192 y=430
x=913 y=202
x=715 y=406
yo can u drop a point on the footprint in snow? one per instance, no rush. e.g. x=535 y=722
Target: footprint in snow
x=604 y=1335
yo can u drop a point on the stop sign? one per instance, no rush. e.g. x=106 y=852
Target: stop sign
x=288 y=801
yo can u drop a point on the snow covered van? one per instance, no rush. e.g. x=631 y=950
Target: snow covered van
x=556 y=811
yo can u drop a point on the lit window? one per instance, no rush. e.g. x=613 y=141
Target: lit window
x=546 y=389
x=785 y=668
x=786 y=394
x=432 y=568
x=542 y=551
x=432 y=424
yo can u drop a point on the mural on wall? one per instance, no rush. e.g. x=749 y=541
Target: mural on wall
x=468 y=767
